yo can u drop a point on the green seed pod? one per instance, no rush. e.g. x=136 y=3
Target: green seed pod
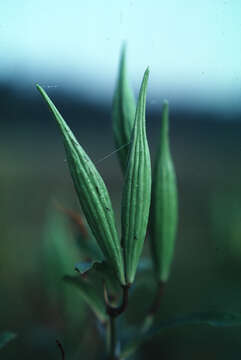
x=137 y=189
x=92 y=193
x=123 y=113
x=163 y=213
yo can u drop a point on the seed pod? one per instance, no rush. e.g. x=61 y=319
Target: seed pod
x=137 y=189
x=163 y=213
x=123 y=113
x=92 y=193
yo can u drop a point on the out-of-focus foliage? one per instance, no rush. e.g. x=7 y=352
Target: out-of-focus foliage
x=6 y=337
x=63 y=249
x=225 y=221
x=210 y=318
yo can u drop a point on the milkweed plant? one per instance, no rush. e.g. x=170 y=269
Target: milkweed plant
x=149 y=212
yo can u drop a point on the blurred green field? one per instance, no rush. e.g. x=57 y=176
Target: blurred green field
x=206 y=272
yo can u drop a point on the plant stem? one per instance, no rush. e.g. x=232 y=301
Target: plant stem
x=114 y=312
x=157 y=300
x=154 y=308
x=61 y=349
x=112 y=338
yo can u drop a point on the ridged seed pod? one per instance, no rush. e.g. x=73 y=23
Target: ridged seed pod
x=137 y=189
x=163 y=213
x=92 y=193
x=123 y=113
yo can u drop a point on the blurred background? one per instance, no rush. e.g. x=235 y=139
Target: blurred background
x=72 y=50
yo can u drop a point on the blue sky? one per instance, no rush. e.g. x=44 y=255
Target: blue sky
x=192 y=47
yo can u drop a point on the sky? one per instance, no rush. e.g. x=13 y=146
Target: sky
x=193 y=48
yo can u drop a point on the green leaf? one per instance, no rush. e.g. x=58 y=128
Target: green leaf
x=212 y=318
x=88 y=249
x=163 y=212
x=59 y=245
x=84 y=267
x=91 y=293
x=99 y=270
x=84 y=238
x=60 y=253
x=123 y=113
x=92 y=193
x=6 y=337
x=137 y=189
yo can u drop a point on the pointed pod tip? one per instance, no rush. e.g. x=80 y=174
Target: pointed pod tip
x=122 y=63
x=165 y=110
x=124 y=47
x=147 y=71
x=165 y=118
x=146 y=75
x=40 y=89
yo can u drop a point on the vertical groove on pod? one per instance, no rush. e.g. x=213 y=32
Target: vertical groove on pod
x=123 y=113
x=93 y=195
x=137 y=189
x=163 y=213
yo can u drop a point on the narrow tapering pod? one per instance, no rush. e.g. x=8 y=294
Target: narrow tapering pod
x=137 y=189
x=163 y=214
x=123 y=113
x=92 y=193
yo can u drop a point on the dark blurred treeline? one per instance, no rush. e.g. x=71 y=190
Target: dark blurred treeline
x=26 y=104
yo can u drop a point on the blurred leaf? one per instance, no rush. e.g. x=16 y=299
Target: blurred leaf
x=85 y=241
x=60 y=254
x=137 y=189
x=216 y=319
x=144 y=275
x=99 y=270
x=60 y=249
x=90 y=293
x=225 y=210
x=76 y=219
x=123 y=113
x=92 y=193
x=85 y=267
x=6 y=337
x=163 y=211
x=88 y=249
x=145 y=264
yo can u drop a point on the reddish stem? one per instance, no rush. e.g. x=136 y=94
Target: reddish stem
x=61 y=349
x=157 y=300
